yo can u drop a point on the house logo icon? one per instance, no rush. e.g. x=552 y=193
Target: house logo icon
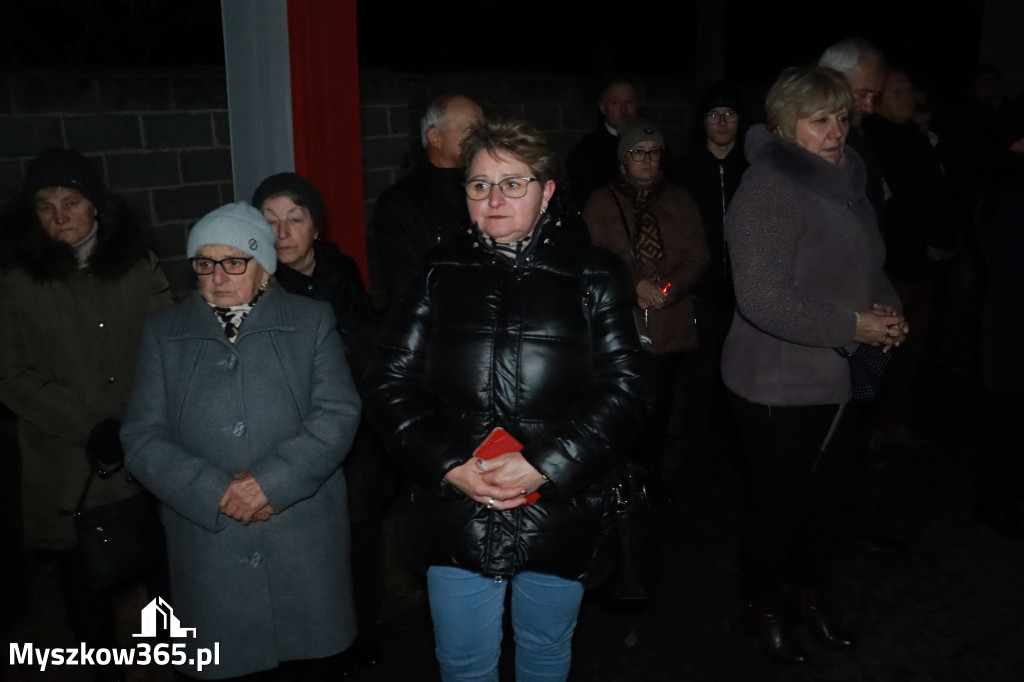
x=158 y=615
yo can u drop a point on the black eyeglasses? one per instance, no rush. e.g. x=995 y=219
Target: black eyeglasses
x=236 y=265
x=714 y=117
x=513 y=188
x=639 y=155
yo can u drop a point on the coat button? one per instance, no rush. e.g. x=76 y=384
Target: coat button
x=255 y=559
x=238 y=429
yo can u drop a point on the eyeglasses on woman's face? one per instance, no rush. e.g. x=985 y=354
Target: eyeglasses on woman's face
x=640 y=155
x=236 y=265
x=513 y=188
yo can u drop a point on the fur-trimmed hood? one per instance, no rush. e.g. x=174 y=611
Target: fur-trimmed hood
x=23 y=243
x=845 y=181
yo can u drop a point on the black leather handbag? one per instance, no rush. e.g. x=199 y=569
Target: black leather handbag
x=119 y=542
x=632 y=570
x=869 y=368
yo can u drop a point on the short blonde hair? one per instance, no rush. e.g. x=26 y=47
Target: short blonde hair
x=801 y=91
x=518 y=139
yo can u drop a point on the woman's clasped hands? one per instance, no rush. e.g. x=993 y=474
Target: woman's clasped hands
x=502 y=482
x=883 y=325
x=244 y=501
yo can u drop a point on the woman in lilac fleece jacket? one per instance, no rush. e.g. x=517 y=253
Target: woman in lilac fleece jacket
x=807 y=262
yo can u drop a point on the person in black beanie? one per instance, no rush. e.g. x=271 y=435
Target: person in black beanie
x=711 y=170
x=76 y=284
x=311 y=266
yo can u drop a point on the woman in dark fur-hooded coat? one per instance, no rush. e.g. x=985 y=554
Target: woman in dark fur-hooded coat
x=71 y=314
x=76 y=284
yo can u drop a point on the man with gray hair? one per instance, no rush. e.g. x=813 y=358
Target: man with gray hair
x=424 y=207
x=864 y=66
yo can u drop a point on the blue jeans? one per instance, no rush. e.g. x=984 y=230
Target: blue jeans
x=467 y=609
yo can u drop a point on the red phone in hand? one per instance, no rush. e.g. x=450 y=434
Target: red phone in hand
x=498 y=442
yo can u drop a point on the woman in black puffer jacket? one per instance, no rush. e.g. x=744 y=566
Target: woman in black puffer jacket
x=519 y=324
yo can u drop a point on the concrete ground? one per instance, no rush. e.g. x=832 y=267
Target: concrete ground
x=946 y=609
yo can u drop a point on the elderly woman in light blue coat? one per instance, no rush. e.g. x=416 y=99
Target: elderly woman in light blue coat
x=242 y=411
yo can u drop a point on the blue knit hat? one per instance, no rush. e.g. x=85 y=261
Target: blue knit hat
x=239 y=226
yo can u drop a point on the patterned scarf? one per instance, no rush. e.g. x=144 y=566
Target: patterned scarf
x=647 y=246
x=510 y=250
x=231 y=317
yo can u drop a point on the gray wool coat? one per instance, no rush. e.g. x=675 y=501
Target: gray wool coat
x=280 y=403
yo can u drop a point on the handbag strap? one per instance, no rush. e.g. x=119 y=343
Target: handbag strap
x=625 y=227
x=80 y=507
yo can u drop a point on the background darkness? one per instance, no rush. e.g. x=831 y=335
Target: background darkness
x=937 y=44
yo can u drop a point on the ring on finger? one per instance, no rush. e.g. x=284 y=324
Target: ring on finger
x=490 y=502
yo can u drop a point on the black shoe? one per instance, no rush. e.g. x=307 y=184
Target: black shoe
x=809 y=610
x=765 y=621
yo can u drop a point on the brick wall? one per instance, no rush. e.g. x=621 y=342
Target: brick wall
x=161 y=139
x=158 y=139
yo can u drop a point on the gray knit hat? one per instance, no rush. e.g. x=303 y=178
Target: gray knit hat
x=239 y=226
x=635 y=131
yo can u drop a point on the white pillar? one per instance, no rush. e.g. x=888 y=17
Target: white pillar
x=259 y=90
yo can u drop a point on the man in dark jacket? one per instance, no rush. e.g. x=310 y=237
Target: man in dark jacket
x=426 y=206
x=594 y=161
x=919 y=232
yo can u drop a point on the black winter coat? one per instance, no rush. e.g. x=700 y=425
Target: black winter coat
x=423 y=209
x=712 y=182
x=336 y=279
x=544 y=346
x=918 y=207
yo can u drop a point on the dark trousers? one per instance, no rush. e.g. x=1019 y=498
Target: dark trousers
x=708 y=411
x=660 y=373
x=91 y=613
x=796 y=494
x=367 y=577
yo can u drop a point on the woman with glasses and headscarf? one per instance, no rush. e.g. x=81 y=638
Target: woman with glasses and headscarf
x=517 y=324
x=242 y=412
x=655 y=227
